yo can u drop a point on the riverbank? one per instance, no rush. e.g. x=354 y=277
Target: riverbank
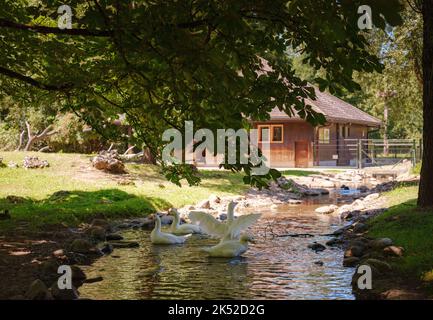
x=47 y=215
x=394 y=238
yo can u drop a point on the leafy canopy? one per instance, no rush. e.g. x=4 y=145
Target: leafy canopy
x=164 y=62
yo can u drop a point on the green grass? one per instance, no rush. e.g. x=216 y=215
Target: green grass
x=298 y=173
x=417 y=168
x=410 y=228
x=91 y=194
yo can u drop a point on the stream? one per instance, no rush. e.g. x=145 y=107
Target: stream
x=275 y=267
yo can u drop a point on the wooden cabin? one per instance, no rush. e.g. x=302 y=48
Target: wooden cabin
x=296 y=143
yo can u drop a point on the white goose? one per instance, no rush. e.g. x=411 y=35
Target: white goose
x=158 y=237
x=218 y=229
x=181 y=229
x=230 y=248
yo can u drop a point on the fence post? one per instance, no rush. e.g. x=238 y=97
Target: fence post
x=359 y=154
x=414 y=153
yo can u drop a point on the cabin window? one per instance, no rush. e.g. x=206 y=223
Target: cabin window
x=262 y=133
x=324 y=135
x=275 y=132
x=344 y=131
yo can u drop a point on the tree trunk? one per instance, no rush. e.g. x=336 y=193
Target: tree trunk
x=425 y=195
x=148 y=156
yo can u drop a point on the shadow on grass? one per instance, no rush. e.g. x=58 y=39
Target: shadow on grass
x=75 y=207
x=224 y=182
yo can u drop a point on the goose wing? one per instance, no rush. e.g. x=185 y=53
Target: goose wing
x=207 y=223
x=240 y=224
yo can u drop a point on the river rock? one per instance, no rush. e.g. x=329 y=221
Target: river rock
x=379 y=265
x=82 y=246
x=93 y=280
x=317 y=247
x=113 y=237
x=354 y=251
x=371 y=197
x=78 y=275
x=358 y=205
x=294 y=201
x=49 y=267
x=344 y=208
x=97 y=233
x=205 y=204
x=38 y=291
x=125 y=244
x=363 y=189
x=393 y=251
x=350 y=262
x=401 y=294
x=359 y=227
x=326 y=209
x=63 y=294
x=101 y=223
x=381 y=243
x=59 y=253
x=335 y=242
x=107 y=248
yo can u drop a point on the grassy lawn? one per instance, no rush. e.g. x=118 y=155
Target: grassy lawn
x=298 y=173
x=410 y=228
x=91 y=193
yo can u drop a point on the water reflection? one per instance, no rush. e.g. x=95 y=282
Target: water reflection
x=276 y=267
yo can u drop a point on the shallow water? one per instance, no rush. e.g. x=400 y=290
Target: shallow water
x=276 y=267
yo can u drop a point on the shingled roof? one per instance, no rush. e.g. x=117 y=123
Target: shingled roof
x=334 y=109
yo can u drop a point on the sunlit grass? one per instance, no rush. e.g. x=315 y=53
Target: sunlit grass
x=93 y=194
x=410 y=228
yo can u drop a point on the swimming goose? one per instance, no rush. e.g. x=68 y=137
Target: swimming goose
x=158 y=237
x=230 y=248
x=181 y=229
x=218 y=229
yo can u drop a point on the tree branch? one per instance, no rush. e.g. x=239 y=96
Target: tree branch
x=33 y=82
x=52 y=30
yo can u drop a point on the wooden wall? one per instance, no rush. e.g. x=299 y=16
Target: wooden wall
x=283 y=154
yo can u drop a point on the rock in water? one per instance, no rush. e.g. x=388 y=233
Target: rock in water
x=317 y=247
x=37 y=291
x=350 y=262
x=113 y=236
x=63 y=294
x=326 y=209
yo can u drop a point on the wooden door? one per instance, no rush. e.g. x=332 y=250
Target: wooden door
x=301 y=154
